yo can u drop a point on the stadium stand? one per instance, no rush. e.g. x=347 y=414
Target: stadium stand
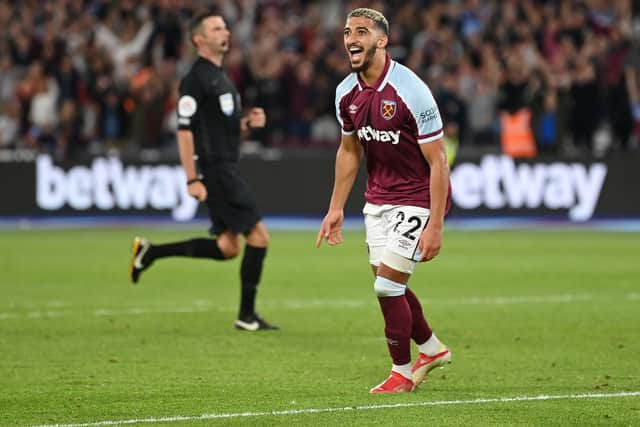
x=82 y=77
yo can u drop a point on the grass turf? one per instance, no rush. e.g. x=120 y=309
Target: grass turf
x=526 y=313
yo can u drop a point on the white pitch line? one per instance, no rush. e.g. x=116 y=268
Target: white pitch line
x=204 y=305
x=530 y=299
x=350 y=408
x=133 y=311
x=507 y=300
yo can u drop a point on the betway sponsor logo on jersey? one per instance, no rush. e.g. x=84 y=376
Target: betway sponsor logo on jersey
x=108 y=185
x=499 y=183
x=369 y=134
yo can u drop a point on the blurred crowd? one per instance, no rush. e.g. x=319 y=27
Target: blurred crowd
x=88 y=76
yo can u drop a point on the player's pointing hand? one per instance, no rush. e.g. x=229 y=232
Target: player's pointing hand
x=330 y=229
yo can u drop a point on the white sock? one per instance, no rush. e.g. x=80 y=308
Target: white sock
x=431 y=346
x=404 y=370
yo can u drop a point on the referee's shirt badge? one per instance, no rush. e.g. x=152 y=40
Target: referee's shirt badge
x=226 y=103
x=187 y=107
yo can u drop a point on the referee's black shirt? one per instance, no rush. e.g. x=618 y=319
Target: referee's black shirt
x=209 y=106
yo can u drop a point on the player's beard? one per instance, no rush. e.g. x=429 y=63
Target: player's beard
x=367 y=61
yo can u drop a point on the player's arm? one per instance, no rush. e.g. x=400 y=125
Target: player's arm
x=431 y=237
x=195 y=187
x=346 y=170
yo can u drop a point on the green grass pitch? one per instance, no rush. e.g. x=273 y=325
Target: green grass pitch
x=526 y=314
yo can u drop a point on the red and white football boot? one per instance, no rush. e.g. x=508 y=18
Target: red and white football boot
x=426 y=364
x=396 y=383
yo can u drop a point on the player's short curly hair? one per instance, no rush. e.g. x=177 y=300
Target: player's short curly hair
x=378 y=18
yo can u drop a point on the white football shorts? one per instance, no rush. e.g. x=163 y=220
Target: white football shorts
x=393 y=233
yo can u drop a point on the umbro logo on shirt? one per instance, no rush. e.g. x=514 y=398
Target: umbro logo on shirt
x=353 y=108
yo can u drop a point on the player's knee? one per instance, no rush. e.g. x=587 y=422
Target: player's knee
x=388 y=288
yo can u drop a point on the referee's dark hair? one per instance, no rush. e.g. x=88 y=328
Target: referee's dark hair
x=196 y=21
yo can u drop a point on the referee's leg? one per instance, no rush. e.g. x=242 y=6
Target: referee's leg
x=250 y=273
x=144 y=253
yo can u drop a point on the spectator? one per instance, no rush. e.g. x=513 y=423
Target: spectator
x=43 y=114
x=301 y=102
x=9 y=124
x=481 y=58
x=615 y=87
x=70 y=140
x=482 y=111
x=632 y=77
x=9 y=78
x=124 y=40
x=586 y=113
x=149 y=93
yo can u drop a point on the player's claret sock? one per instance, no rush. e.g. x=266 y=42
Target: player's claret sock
x=420 y=330
x=397 y=319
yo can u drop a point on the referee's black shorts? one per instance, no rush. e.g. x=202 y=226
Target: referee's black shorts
x=232 y=205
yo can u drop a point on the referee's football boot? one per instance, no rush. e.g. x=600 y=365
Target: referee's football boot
x=138 y=263
x=253 y=323
x=426 y=364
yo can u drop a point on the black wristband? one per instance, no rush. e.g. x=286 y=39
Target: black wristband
x=192 y=180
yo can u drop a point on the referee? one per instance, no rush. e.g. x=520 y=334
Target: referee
x=210 y=124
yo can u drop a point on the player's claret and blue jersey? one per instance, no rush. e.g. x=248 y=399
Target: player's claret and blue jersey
x=391 y=119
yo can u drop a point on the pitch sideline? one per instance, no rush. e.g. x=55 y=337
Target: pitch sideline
x=350 y=408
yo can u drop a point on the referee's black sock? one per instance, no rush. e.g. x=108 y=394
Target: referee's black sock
x=250 y=272
x=194 y=248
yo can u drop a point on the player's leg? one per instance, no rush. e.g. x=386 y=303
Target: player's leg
x=401 y=226
x=433 y=353
x=225 y=245
x=144 y=253
x=255 y=252
x=390 y=287
x=420 y=330
x=400 y=253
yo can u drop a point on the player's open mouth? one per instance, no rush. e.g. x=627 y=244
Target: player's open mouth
x=356 y=53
